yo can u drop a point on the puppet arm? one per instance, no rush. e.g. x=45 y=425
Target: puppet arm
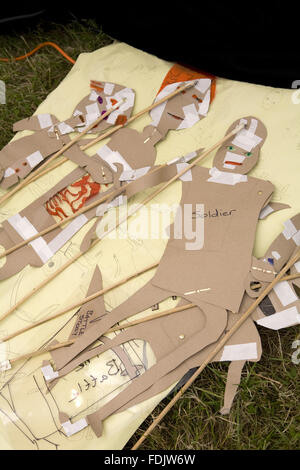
x=272 y=207
x=233 y=381
x=35 y=123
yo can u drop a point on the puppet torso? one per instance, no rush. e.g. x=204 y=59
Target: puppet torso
x=216 y=268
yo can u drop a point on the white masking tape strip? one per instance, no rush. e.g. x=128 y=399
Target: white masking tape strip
x=283 y=319
x=253 y=126
x=265 y=212
x=246 y=140
x=26 y=230
x=71 y=429
x=93 y=109
x=77 y=112
x=224 y=177
x=187 y=176
x=202 y=84
x=289 y=229
x=109 y=88
x=191 y=116
x=134 y=174
x=49 y=373
x=285 y=293
x=5 y=365
x=297 y=266
x=276 y=255
x=9 y=172
x=184 y=159
x=35 y=158
x=296 y=238
x=45 y=120
x=127 y=97
x=67 y=233
x=239 y=352
x=111 y=157
x=93 y=96
x=203 y=107
x=65 y=128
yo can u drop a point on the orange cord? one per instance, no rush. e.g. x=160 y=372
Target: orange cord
x=36 y=49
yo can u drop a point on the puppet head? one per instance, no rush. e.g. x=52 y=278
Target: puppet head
x=240 y=154
x=187 y=108
x=103 y=96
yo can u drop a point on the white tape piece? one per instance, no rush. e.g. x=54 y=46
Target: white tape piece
x=71 y=429
x=132 y=175
x=111 y=157
x=93 y=96
x=109 y=88
x=5 y=365
x=49 y=373
x=224 y=177
x=35 y=158
x=77 y=112
x=191 y=116
x=45 y=120
x=246 y=140
x=203 y=84
x=285 y=293
x=297 y=266
x=265 y=212
x=239 y=352
x=93 y=109
x=127 y=97
x=9 y=172
x=67 y=233
x=26 y=230
x=203 y=107
x=64 y=128
x=187 y=176
x=184 y=159
x=296 y=238
x=289 y=229
x=276 y=255
x=282 y=319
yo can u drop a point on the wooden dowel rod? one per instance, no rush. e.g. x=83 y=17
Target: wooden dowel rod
x=79 y=303
x=218 y=348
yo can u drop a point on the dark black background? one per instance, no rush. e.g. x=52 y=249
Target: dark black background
x=258 y=42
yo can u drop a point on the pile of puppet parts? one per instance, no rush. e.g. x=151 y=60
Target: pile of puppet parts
x=218 y=278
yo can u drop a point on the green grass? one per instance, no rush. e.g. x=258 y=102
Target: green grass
x=265 y=414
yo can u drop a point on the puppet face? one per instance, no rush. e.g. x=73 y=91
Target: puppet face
x=240 y=154
x=183 y=110
x=103 y=96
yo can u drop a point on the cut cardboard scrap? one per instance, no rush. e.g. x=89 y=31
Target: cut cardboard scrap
x=228 y=241
x=174 y=336
x=50 y=135
x=127 y=149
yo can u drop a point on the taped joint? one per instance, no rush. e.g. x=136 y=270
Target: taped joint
x=197 y=291
x=49 y=373
x=268 y=271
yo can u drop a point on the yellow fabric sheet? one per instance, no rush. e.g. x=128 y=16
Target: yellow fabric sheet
x=27 y=414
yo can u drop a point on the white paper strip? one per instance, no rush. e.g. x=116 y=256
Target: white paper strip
x=283 y=319
x=285 y=293
x=45 y=120
x=49 y=373
x=8 y=172
x=93 y=96
x=109 y=88
x=246 y=140
x=67 y=233
x=132 y=175
x=276 y=255
x=5 y=365
x=65 y=128
x=289 y=229
x=224 y=177
x=112 y=157
x=265 y=211
x=187 y=176
x=296 y=238
x=35 y=158
x=71 y=429
x=239 y=352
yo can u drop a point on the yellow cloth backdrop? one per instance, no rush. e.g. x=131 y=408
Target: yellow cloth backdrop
x=28 y=415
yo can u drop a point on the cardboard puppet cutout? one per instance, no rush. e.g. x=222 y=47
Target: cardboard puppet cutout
x=174 y=339
x=128 y=155
x=20 y=157
x=211 y=274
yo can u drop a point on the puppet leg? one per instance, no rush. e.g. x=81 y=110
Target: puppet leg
x=144 y=298
x=216 y=320
x=233 y=381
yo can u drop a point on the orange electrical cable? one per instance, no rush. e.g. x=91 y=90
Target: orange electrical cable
x=47 y=43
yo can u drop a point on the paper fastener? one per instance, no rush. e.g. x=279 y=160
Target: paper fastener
x=197 y=291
